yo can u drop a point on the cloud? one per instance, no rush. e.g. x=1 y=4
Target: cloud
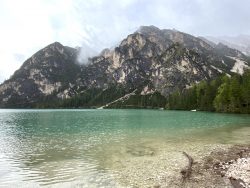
x=28 y=25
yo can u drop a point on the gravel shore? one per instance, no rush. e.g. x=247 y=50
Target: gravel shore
x=239 y=170
x=228 y=168
x=211 y=166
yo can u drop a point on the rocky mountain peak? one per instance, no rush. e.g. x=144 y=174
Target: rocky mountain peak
x=54 y=47
x=147 y=61
x=134 y=39
x=149 y=30
x=48 y=70
x=166 y=37
x=55 y=44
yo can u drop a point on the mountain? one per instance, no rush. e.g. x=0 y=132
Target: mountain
x=46 y=72
x=240 y=42
x=142 y=70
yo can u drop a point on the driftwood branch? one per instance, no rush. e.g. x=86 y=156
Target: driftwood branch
x=237 y=183
x=186 y=172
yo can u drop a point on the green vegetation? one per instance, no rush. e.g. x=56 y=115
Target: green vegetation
x=93 y=98
x=224 y=94
x=89 y=98
x=155 y=100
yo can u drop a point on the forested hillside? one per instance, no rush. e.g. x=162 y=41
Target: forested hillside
x=224 y=94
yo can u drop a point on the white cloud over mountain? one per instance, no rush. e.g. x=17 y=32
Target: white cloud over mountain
x=29 y=25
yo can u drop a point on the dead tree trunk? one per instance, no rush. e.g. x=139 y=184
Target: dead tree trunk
x=186 y=172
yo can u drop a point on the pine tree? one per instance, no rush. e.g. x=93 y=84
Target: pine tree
x=222 y=99
x=235 y=94
x=245 y=92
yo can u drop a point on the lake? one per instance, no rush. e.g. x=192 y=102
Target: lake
x=108 y=148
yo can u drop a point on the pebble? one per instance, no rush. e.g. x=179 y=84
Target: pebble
x=239 y=170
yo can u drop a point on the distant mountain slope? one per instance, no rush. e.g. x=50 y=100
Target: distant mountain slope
x=241 y=42
x=149 y=61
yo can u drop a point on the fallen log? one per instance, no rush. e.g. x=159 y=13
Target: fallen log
x=186 y=172
x=237 y=183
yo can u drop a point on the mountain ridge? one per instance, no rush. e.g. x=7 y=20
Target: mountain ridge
x=240 y=42
x=149 y=60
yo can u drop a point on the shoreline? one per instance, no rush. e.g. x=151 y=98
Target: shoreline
x=228 y=168
x=223 y=168
x=213 y=166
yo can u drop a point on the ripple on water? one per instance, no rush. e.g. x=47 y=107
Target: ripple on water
x=108 y=147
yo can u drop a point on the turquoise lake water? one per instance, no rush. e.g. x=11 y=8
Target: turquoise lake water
x=94 y=148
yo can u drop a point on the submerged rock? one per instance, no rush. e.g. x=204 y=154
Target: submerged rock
x=141 y=151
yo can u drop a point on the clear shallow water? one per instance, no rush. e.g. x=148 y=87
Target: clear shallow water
x=96 y=148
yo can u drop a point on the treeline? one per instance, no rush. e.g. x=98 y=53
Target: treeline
x=94 y=98
x=90 y=98
x=224 y=94
x=154 y=100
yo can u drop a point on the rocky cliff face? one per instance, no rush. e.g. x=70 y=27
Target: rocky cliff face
x=149 y=60
x=44 y=74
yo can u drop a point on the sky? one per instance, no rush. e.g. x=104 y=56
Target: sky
x=27 y=26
